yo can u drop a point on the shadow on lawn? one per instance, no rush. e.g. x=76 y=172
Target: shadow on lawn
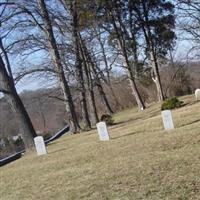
x=198 y=120
x=58 y=150
x=126 y=135
x=191 y=103
x=148 y=116
x=52 y=143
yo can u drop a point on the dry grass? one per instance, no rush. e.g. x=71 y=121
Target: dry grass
x=141 y=161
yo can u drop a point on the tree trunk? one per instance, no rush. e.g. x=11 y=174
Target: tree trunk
x=8 y=88
x=100 y=87
x=90 y=89
x=79 y=68
x=117 y=103
x=53 y=49
x=93 y=114
x=156 y=76
x=131 y=77
x=104 y=99
x=85 y=114
x=122 y=46
x=133 y=85
x=152 y=54
x=6 y=59
x=134 y=88
x=91 y=63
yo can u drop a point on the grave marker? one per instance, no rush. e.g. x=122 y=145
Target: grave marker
x=102 y=131
x=167 y=119
x=40 y=145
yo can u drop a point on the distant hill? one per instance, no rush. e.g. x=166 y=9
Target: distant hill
x=47 y=110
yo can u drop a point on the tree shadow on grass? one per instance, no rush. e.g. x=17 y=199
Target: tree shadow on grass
x=151 y=115
x=193 y=122
x=56 y=151
x=52 y=143
x=191 y=103
x=126 y=135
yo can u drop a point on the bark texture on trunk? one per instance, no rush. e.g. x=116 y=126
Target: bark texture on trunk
x=134 y=88
x=108 y=81
x=90 y=89
x=93 y=108
x=152 y=53
x=8 y=88
x=118 y=27
x=93 y=68
x=53 y=49
x=104 y=99
x=131 y=77
x=79 y=67
x=156 y=76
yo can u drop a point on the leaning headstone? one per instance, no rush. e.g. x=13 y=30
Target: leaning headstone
x=167 y=119
x=102 y=131
x=40 y=145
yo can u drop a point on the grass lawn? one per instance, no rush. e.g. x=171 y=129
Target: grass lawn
x=141 y=161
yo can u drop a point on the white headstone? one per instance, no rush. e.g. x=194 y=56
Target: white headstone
x=102 y=131
x=167 y=119
x=40 y=145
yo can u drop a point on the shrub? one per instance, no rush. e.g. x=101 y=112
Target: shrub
x=171 y=103
x=18 y=141
x=46 y=136
x=107 y=119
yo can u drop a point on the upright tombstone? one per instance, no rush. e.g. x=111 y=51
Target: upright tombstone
x=102 y=131
x=167 y=120
x=40 y=145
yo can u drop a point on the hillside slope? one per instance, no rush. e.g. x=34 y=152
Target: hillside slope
x=141 y=161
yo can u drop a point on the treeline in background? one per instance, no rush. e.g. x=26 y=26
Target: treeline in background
x=89 y=58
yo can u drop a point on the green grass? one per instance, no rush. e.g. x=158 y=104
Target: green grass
x=141 y=161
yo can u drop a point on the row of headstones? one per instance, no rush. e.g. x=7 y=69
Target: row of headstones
x=41 y=148
x=166 y=117
x=103 y=132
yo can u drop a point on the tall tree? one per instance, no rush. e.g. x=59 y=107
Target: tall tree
x=79 y=63
x=189 y=22
x=117 y=32
x=156 y=20
x=7 y=87
x=53 y=48
x=93 y=70
x=89 y=84
x=7 y=84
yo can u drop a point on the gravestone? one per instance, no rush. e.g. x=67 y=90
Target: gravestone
x=40 y=145
x=167 y=119
x=102 y=131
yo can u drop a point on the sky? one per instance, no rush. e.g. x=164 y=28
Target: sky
x=33 y=83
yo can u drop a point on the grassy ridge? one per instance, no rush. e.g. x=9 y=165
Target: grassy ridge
x=141 y=161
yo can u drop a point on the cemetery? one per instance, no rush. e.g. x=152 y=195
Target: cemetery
x=197 y=94
x=99 y=100
x=18 y=153
x=139 y=156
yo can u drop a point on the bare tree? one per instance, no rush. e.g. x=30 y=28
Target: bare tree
x=48 y=30
x=8 y=88
x=94 y=69
x=115 y=19
x=79 y=64
x=189 y=23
